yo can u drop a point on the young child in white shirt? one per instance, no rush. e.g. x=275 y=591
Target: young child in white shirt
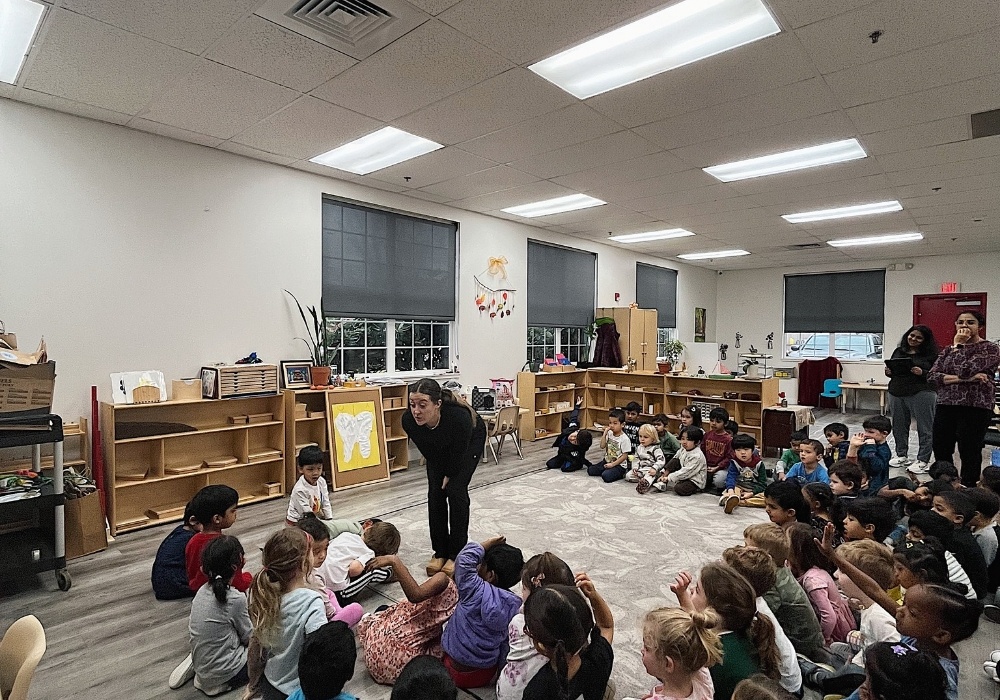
x=310 y=493
x=687 y=472
x=345 y=572
x=649 y=459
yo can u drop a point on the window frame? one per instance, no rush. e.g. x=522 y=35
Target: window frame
x=557 y=342
x=390 y=347
x=831 y=343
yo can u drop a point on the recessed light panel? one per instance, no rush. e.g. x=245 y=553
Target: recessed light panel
x=377 y=150
x=651 y=236
x=683 y=33
x=19 y=20
x=799 y=159
x=843 y=212
x=877 y=240
x=714 y=254
x=558 y=205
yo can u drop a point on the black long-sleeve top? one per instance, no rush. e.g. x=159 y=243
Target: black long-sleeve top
x=448 y=445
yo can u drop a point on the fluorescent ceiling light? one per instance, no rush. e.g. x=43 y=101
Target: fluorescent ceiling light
x=877 y=240
x=558 y=205
x=716 y=254
x=824 y=154
x=843 y=212
x=19 y=20
x=683 y=33
x=651 y=236
x=377 y=150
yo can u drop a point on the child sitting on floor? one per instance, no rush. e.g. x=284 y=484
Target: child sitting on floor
x=717 y=446
x=958 y=509
x=344 y=572
x=169 y=577
x=319 y=545
x=475 y=638
x=687 y=472
x=649 y=460
x=631 y=425
x=925 y=525
x=689 y=417
x=215 y=508
x=424 y=678
x=668 y=441
x=572 y=444
x=326 y=664
x=985 y=505
x=836 y=435
x=310 y=493
x=810 y=467
x=616 y=446
x=784 y=504
x=790 y=456
x=868 y=519
x=813 y=570
x=821 y=501
x=575 y=638
x=746 y=477
x=678 y=647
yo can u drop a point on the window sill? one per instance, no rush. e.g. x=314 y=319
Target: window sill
x=440 y=374
x=843 y=361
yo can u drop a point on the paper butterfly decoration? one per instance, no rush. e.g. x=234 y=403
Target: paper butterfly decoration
x=355 y=430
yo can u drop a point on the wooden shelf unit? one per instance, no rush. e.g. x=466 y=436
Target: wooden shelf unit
x=80 y=461
x=397 y=445
x=149 y=479
x=656 y=393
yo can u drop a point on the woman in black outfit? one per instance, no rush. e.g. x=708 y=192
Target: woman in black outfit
x=451 y=437
x=911 y=396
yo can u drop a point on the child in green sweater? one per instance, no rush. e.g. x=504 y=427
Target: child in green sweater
x=668 y=441
x=790 y=456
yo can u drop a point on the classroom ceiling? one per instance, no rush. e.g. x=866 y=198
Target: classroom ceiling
x=219 y=74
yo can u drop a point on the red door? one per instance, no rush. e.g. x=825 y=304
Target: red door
x=938 y=312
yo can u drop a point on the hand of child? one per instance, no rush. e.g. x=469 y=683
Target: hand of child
x=858 y=439
x=579 y=401
x=680 y=585
x=916 y=370
x=585 y=585
x=493 y=542
x=983 y=377
x=382 y=562
x=826 y=545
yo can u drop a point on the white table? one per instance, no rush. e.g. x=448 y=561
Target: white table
x=882 y=390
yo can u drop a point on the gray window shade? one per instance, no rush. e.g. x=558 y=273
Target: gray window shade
x=656 y=288
x=836 y=302
x=380 y=264
x=562 y=286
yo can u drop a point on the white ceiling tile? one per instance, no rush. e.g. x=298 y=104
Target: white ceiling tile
x=493 y=180
x=959 y=184
x=823 y=128
x=945 y=171
x=426 y=196
x=864 y=167
x=842 y=41
x=592 y=219
x=525 y=194
x=218 y=100
x=306 y=128
x=653 y=165
x=785 y=104
x=657 y=205
x=908 y=138
x=7 y=90
x=977 y=95
x=613 y=148
x=434 y=7
x=191 y=25
x=339 y=175
x=763 y=65
x=798 y=13
x=264 y=49
x=431 y=168
x=241 y=150
x=61 y=104
x=527 y=30
x=564 y=127
x=653 y=187
x=972 y=149
x=431 y=62
x=172 y=132
x=511 y=97
x=87 y=61
x=929 y=67
x=871 y=188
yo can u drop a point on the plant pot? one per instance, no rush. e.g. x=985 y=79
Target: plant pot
x=319 y=376
x=663 y=367
x=753 y=372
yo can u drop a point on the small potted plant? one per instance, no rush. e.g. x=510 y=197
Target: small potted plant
x=318 y=341
x=672 y=350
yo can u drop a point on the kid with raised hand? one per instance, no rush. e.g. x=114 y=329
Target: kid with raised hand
x=678 y=647
x=869 y=449
x=616 y=446
x=576 y=639
x=649 y=459
x=572 y=444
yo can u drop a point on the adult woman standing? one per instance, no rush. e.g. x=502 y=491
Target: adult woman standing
x=911 y=396
x=451 y=437
x=963 y=375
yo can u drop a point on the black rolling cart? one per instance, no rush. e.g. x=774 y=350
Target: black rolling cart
x=32 y=528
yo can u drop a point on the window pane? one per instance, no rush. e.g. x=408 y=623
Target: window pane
x=536 y=354
x=440 y=334
x=534 y=335
x=404 y=359
x=549 y=336
x=404 y=335
x=337 y=361
x=440 y=358
x=421 y=335
x=421 y=358
x=354 y=361
x=846 y=346
x=354 y=333
x=564 y=337
x=376 y=360
x=376 y=334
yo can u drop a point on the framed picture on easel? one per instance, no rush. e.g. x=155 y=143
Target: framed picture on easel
x=356 y=427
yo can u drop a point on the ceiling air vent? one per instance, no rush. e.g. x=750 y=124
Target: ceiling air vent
x=986 y=124
x=804 y=246
x=357 y=28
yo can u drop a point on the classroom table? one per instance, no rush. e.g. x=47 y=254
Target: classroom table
x=882 y=390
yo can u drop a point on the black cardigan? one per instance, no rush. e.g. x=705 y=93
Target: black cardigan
x=451 y=444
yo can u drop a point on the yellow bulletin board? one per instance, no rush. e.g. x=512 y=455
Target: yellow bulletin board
x=356 y=428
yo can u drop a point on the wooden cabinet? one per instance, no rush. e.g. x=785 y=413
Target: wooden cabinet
x=549 y=396
x=637 y=328
x=154 y=464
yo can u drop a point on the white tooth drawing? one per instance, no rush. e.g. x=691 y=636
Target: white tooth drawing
x=355 y=430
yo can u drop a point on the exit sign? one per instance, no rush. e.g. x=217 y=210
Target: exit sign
x=949 y=287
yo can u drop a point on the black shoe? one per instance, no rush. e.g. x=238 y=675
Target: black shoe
x=843 y=683
x=992 y=613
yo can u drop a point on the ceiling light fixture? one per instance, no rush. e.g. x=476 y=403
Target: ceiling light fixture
x=651 y=235
x=377 y=150
x=811 y=157
x=877 y=240
x=843 y=212
x=683 y=33
x=558 y=205
x=714 y=254
x=19 y=20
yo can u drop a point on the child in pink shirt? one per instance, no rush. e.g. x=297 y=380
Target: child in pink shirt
x=813 y=571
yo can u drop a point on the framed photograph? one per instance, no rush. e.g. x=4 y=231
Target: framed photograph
x=295 y=374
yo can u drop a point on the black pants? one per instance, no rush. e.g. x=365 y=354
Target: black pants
x=967 y=426
x=448 y=508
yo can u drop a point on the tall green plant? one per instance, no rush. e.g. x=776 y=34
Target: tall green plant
x=317 y=335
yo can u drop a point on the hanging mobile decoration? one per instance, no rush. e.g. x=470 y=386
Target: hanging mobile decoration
x=496 y=298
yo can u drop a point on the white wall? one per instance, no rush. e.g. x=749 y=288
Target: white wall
x=751 y=302
x=131 y=251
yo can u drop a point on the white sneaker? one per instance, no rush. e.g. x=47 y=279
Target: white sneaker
x=211 y=691
x=900 y=461
x=917 y=467
x=182 y=674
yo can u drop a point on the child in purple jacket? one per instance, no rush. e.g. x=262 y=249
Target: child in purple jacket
x=475 y=638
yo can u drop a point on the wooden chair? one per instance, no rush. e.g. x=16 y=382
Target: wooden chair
x=504 y=423
x=21 y=649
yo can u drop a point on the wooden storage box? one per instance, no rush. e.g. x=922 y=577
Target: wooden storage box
x=185 y=390
x=637 y=334
x=239 y=381
x=558 y=368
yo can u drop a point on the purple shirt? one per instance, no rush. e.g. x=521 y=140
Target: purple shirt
x=965 y=361
x=477 y=632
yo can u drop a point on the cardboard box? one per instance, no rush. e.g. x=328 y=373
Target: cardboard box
x=84 y=526
x=26 y=389
x=185 y=390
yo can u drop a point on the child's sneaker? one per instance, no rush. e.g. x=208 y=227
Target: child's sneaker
x=900 y=461
x=731 y=503
x=660 y=486
x=182 y=674
x=644 y=485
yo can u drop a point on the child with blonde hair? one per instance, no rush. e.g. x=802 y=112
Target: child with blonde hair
x=678 y=647
x=649 y=459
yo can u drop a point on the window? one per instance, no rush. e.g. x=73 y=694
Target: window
x=656 y=288
x=365 y=346
x=662 y=336
x=846 y=346
x=548 y=341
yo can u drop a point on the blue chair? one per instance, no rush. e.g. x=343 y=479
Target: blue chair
x=832 y=390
